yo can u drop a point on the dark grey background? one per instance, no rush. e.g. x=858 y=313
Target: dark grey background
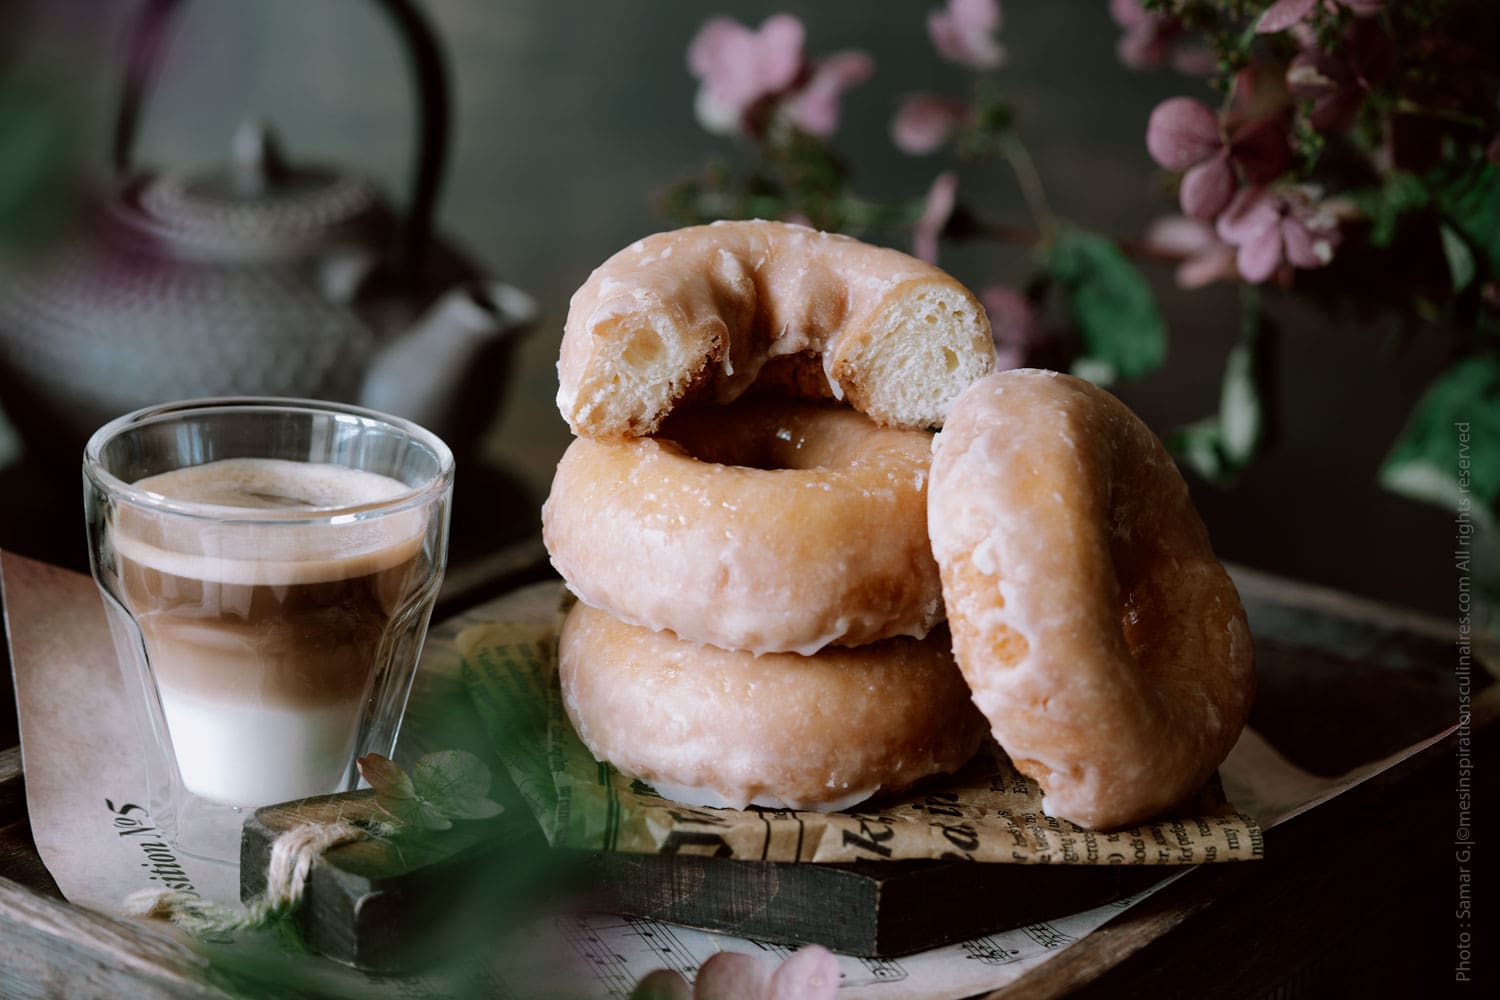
x=572 y=115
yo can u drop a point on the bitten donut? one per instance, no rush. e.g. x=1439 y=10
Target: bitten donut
x=1100 y=636
x=768 y=525
x=698 y=312
x=716 y=727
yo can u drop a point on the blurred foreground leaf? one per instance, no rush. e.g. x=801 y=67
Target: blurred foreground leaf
x=40 y=141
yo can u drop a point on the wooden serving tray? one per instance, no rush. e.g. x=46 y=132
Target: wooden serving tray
x=870 y=909
x=1342 y=681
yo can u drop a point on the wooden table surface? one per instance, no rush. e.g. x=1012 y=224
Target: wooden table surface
x=1356 y=897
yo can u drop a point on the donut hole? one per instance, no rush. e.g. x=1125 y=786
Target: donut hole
x=768 y=434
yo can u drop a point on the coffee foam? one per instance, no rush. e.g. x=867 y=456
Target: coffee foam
x=270 y=553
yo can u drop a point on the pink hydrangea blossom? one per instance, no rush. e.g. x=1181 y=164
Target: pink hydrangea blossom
x=924 y=122
x=812 y=973
x=1269 y=227
x=965 y=32
x=1185 y=134
x=936 y=211
x=742 y=71
x=1016 y=325
x=738 y=67
x=1284 y=14
x=1204 y=257
x=1151 y=40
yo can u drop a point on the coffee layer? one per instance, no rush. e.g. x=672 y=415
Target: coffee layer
x=288 y=614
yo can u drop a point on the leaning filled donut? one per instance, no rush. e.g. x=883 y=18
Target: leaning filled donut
x=767 y=525
x=706 y=312
x=716 y=727
x=1099 y=635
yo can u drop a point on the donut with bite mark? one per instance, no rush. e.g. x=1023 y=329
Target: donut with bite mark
x=698 y=313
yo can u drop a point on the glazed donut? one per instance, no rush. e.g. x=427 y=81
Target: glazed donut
x=698 y=312
x=1100 y=636
x=750 y=526
x=717 y=727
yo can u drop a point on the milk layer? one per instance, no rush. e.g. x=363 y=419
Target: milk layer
x=247 y=754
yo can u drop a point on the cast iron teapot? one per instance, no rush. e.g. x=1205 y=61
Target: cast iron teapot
x=258 y=276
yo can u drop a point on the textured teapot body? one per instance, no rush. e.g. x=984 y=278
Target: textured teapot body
x=256 y=276
x=113 y=320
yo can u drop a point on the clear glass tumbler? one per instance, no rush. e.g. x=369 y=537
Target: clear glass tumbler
x=268 y=567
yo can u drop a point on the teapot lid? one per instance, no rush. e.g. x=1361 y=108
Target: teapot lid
x=254 y=204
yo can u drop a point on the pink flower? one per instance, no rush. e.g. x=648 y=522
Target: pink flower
x=1150 y=40
x=1020 y=336
x=928 y=229
x=814 y=108
x=1271 y=226
x=1185 y=134
x=964 y=32
x=924 y=122
x=747 y=76
x=812 y=973
x=1338 y=82
x=1284 y=14
x=1205 y=258
x=738 y=67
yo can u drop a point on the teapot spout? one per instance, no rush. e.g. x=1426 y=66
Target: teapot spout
x=449 y=371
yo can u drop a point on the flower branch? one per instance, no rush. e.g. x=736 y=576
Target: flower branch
x=1351 y=158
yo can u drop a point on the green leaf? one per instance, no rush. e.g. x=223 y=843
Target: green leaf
x=455 y=784
x=1241 y=418
x=1199 y=446
x=1471 y=204
x=443 y=786
x=1384 y=205
x=1449 y=452
x=1460 y=258
x=1118 y=322
x=430 y=817
x=1220 y=447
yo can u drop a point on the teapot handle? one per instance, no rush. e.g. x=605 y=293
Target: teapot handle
x=147 y=44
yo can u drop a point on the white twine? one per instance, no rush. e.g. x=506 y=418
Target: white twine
x=293 y=855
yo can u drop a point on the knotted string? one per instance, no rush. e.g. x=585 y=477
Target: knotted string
x=292 y=857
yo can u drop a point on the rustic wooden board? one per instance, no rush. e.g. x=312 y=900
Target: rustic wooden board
x=392 y=905
x=378 y=905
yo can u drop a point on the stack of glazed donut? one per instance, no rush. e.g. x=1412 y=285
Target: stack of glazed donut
x=769 y=546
